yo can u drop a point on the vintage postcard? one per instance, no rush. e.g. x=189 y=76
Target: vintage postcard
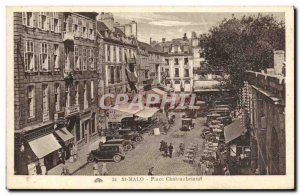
x=150 y=98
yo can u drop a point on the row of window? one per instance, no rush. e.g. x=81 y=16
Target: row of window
x=176 y=61
x=83 y=57
x=117 y=54
x=176 y=72
x=50 y=21
x=48 y=55
x=115 y=74
x=81 y=27
x=31 y=98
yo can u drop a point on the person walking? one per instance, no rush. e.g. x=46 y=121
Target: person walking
x=151 y=171
x=171 y=150
x=166 y=149
x=74 y=152
x=96 y=168
x=104 y=169
x=65 y=169
x=38 y=169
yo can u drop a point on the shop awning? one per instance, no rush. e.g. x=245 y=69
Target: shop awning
x=130 y=108
x=44 y=145
x=159 y=91
x=147 y=112
x=233 y=131
x=64 y=134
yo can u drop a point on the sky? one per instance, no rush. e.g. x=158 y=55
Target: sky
x=170 y=25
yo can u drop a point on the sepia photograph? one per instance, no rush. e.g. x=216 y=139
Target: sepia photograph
x=142 y=96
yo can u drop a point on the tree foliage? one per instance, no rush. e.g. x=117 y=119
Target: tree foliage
x=237 y=45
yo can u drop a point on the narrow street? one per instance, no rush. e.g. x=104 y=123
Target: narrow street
x=147 y=154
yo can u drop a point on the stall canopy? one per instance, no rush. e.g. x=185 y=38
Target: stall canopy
x=233 y=131
x=65 y=135
x=146 y=112
x=130 y=108
x=159 y=91
x=44 y=145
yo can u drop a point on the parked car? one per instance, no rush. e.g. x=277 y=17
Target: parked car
x=113 y=152
x=187 y=124
x=226 y=120
x=126 y=134
x=127 y=144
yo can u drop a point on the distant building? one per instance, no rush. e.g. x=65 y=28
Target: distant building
x=116 y=43
x=151 y=63
x=179 y=63
x=267 y=118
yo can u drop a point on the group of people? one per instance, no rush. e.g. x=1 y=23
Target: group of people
x=166 y=149
x=96 y=168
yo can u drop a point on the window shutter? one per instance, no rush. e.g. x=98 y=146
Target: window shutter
x=59 y=26
x=25 y=62
x=48 y=23
x=39 y=20
x=41 y=62
x=24 y=18
x=36 y=61
x=34 y=16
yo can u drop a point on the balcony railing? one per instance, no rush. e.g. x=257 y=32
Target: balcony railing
x=68 y=36
x=72 y=110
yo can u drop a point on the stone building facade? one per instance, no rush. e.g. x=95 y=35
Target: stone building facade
x=179 y=63
x=55 y=76
x=117 y=43
x=267 y=119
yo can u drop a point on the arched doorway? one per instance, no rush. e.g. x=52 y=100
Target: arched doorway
x=274 y=169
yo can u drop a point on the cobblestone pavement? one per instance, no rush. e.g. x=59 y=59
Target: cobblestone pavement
x=147 y=154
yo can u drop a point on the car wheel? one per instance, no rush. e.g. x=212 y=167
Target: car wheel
x=128 y=147
x=117 y=158
x=91 y=158
x=138 y=139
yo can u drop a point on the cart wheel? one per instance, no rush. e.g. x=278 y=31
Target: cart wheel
x=138 y=139
x=117 y=158
x=91 y=158
x=128 y=147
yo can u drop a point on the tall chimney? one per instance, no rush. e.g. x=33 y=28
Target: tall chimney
x=150 y=40
x=278 y=61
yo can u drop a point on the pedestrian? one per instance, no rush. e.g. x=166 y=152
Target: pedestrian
x=162 y=144
x=166 y=149
x=181 y=149
x=44 y=169
x=96 y=168
x=75 y=152
x=38 y=169
x=151 y=171
x=104 y=169
x=65 y=169
x=171 y=150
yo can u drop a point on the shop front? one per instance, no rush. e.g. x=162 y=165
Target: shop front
x=44 y=152
x=238 y=146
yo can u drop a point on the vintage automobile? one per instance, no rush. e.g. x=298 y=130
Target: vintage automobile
x=127 y=144
x=126 y=134
x=211 y=117
x=226 y=120
x=187 y=124
x=113 y=152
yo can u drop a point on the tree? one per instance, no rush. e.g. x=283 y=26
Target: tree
x=238 y=45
